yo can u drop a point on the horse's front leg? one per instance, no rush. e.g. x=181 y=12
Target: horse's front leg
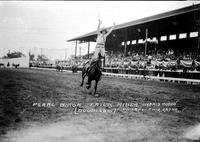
x=95 y=88
x=83 y=77
x=89 y=83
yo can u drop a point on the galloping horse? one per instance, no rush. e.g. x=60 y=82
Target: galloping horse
x=59 y=68
x=93 y=72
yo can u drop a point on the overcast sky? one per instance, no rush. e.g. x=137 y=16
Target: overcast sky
x=34 y=25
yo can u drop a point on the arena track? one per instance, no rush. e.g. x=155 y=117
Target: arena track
x=22 y=118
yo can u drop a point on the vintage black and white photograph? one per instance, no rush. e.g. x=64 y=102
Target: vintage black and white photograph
x=99 y=71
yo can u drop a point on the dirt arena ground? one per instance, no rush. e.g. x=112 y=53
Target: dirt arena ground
x=49 y=106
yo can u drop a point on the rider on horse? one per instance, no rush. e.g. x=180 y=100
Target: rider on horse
x=100 y=47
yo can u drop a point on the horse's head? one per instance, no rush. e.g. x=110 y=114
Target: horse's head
x=97 y=64
x=99 y=56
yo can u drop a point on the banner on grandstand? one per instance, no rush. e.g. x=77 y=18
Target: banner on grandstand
x=186 y=63
x=197 y=64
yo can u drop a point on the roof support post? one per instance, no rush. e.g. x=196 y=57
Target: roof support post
x=88 y=49
x=75 y=48
x=198 y=46
x=137 y=46
x=198 y=30
x=125 y=46
x=125 y=43
x=188 y=35
x=168 y=37
x=145 y=51
x=158 y=40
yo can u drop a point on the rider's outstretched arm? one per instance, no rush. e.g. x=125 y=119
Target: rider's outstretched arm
x=98 y=28
x=111 y=29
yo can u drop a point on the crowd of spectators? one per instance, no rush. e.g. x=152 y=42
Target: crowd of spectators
x=160 y=60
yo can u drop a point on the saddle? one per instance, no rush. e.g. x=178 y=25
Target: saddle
x=92 y=65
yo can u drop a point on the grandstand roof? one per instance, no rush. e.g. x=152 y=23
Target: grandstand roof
x=177 y=21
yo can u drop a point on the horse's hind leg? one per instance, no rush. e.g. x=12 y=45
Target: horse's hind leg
x=83 y=77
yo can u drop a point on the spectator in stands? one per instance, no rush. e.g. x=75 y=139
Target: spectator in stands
x=198 y=58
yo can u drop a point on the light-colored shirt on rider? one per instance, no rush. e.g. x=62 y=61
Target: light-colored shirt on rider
x=101 y=40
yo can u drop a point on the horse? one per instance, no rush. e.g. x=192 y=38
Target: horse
x=74 y=69
x=93 y=72
x=2 y=65
x=15 y=65
x=59 y=68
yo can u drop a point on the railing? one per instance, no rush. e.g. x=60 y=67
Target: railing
x=155 y=72
x=190 y=77
x=157 y=78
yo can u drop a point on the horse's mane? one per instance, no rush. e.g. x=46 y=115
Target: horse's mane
x=87 y=62
x=95 y=65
